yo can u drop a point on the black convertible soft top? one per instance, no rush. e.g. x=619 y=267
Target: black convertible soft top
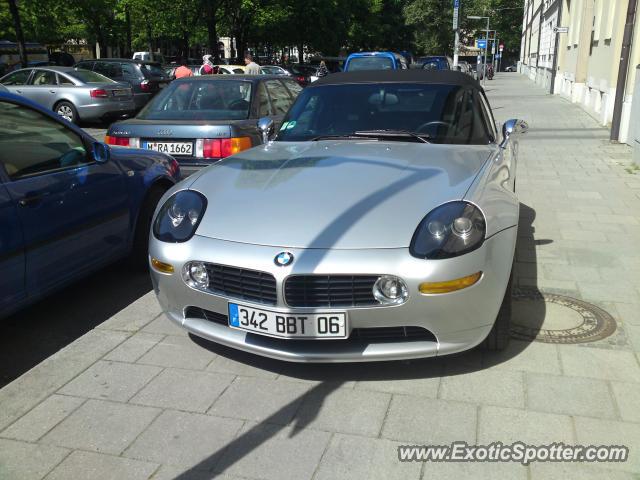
x=446 y=77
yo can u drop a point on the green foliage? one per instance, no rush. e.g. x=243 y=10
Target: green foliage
x=327 y=26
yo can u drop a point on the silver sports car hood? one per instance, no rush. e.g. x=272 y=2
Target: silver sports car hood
x=333 y=194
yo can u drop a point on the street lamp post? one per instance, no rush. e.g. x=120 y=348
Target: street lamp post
x=486 y=46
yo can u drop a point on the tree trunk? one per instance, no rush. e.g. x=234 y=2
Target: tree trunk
x=300 y=53
x=127 y=16
x=19 y=36
x=212 y=30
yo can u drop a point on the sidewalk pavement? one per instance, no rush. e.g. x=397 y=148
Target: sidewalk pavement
x=137 y=398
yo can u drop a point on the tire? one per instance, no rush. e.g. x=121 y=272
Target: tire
x=139 y=257
x=498 y=338
x=67 y=111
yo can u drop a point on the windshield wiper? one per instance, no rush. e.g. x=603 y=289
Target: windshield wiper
x=422 y=137
x=334 y=137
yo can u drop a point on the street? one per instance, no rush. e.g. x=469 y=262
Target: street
x=97 y=383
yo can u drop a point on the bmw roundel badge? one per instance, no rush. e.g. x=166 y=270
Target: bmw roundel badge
x=283 y=259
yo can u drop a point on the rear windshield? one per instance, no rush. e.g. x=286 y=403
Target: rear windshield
x=152 y=69
x=271 y=70
x=303 y=70
x=87 y=76
x=200 y=100
x=370 y=63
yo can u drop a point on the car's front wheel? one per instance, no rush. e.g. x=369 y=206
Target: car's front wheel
x=67 y=111
x=498 y=338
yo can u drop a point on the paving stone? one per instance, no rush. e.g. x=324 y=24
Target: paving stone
x=633 y=333
x=24 y=393
x=432 y=422
x=260 y=400
x=525 y=356
x=135 y=316
x=343 y=410
x=171 y=472
x=164 y=326
x=569 y=395
x=592 y=431
x=101 y=426
x=134 y=347
x=419 y=377
x=183 y=390
x=509 y=425
x=609 y=292
x=42 y=418
x=110 y=381
x=274 y=453
x=350 y=457
x=599 y=363
x=178 y=352
x=95 y=466
x=627 y=396
x=475 y=471
x=185 y=439
x=228 y=365
x=486 y=387
x=28 y=461
x=576 y=471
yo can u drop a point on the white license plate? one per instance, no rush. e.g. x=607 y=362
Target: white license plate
x=121 y=93
x=174 y=148
x=288 y=325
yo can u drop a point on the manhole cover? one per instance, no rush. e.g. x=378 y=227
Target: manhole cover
x=551 y=318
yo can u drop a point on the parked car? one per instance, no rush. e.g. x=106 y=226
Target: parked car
x=304 y=74
x=68 y=204
x=149 y=57
x=200 y=120
x=232 y=69
x=145 y=78
x=464 y=67
x=375 y=61
x=74 y=94
x=64 y=59
x=302 y=240
x=511 y=68
x=273 y=70
x=433 y=62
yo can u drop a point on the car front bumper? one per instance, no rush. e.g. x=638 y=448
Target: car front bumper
x=458 y=320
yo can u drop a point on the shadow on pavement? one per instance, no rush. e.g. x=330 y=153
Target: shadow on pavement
x=37 y=332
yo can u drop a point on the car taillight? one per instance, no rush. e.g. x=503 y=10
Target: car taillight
x=221 y=147
x=174 y=167
x=98 y=93
x=145 y=86
x=300 y=78
x=119 y=141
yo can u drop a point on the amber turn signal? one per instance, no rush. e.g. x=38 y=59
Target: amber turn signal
x=161 y=266
x=449 y=285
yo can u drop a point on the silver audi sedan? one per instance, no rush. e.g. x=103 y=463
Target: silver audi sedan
x=73 y=93
x=378 y=223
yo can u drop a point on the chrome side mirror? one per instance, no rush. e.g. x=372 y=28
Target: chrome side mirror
x=265 y=127
x=100 y=152
x=510 y=127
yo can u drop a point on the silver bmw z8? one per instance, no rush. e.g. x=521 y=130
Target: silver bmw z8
x=378 y=223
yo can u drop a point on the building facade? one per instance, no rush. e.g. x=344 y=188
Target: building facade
x=582 y=63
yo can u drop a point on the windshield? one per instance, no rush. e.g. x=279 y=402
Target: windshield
x=271 y=70
x=440 y=113
x=370 y=63
x=200 y=100
x=87 y=76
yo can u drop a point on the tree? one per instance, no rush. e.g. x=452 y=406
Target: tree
x=13 y=8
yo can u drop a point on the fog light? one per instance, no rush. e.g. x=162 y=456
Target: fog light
x=390 y=290
x=161 y=266
x=195 y=275
x=450 y=285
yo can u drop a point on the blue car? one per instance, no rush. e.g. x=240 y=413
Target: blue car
x=375 y=61
x=68 y=204
x=435 y=62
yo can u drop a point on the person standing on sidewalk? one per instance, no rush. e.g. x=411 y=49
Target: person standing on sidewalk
x=322 y=70
x=252 y=67
x=207 y=66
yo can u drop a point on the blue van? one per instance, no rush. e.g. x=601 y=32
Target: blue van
x=375 y=61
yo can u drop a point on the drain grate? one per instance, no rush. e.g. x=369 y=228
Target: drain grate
x=551 y=318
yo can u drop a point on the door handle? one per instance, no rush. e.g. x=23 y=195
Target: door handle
x=32 y=199
x=52 y=91
x=19 y=91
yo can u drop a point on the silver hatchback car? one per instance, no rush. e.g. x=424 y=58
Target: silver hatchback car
x=379 y=224
x=74 y=94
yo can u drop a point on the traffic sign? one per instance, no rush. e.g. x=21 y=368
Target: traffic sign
x=455 y=18
x=560 y=29
x=481 y=43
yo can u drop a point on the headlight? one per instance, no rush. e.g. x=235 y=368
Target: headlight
x=179 y=217
x=450 y=230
